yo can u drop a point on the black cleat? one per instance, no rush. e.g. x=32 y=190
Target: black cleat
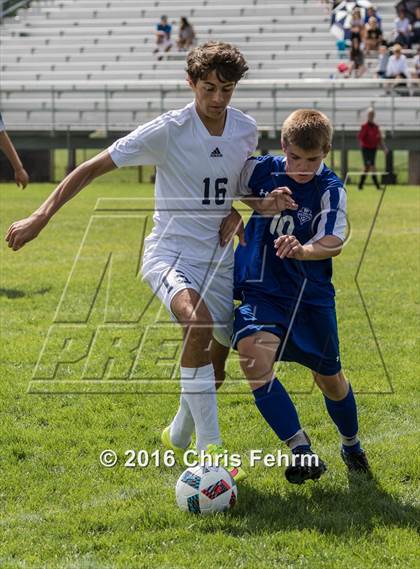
x=305 y=467
x=356 y=461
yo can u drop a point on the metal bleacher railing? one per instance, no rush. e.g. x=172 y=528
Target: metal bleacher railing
x=88 y=64
x=120 y=106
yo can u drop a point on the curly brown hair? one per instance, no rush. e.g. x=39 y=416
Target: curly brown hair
x=223 y=58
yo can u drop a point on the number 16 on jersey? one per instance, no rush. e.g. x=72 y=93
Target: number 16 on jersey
x=219 y=191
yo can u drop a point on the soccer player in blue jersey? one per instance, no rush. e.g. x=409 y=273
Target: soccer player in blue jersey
x=283 y=279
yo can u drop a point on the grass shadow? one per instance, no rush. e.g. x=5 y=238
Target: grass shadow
x=353 y=510
x=14 y=293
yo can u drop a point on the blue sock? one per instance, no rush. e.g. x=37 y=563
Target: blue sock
x=277 y=408
x=344 y=415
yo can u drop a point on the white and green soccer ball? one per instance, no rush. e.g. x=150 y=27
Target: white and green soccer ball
x=206 y=490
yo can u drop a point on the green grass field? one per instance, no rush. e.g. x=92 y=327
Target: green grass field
x=61 y=509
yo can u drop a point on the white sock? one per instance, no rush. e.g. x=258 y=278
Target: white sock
x=199 y=389
x=182 y=426
x=300 y=438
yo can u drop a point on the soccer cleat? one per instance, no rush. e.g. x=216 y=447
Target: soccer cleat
x=304 y=469
x=165 y=437
x=237 y=472
x=356 y=461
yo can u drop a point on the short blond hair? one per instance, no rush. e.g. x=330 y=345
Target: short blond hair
x=309 y=129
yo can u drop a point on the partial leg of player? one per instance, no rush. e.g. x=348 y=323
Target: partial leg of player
x=341 y=406
x=258 y=353
x=179 y=434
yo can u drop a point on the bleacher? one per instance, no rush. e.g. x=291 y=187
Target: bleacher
x=89 y=64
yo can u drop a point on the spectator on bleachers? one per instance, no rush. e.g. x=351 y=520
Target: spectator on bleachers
x=163 y=36
x=397 y=64
x=402 y=29
x=409 y=7
x=397 y=67
x=415 y=74
x=357 y=26
x=415 y=28
x=417 y=63
x=370 y=139
x=372 y=12
x=357 y=59
x=373 y=36
x=186 y=34
x=21 y=176
x=383 y=58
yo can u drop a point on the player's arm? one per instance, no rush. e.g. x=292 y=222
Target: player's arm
x=24 y=230
x=289 y=247
x=232 y=225
x=253 y=180
x=21 y=176
x=253 y=176
x=273 y=203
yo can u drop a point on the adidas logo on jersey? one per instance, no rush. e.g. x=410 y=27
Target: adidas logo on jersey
x=216 y=153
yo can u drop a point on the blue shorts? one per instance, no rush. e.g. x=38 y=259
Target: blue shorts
x=311 y=341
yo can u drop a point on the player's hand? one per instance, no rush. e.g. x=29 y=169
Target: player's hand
x=232 y=225
x=21 y=178
x=277 y=201
x=289 y=247
x=24 y=230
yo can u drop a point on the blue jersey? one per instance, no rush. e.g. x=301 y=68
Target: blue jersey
x=321 y=211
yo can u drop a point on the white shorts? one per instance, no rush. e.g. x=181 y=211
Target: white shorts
x=167 y=273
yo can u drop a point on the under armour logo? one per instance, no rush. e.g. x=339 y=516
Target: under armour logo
x=216 y=153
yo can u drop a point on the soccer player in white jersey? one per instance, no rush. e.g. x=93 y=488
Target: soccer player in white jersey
x=199 y=152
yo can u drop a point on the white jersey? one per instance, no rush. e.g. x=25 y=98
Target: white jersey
x=196 y=177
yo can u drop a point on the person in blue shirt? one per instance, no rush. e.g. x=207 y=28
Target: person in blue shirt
x=283 y=280
x=372 y=12
x=164 y=26
x=163 y=36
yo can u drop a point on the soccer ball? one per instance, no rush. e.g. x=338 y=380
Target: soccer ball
x=206 y=490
